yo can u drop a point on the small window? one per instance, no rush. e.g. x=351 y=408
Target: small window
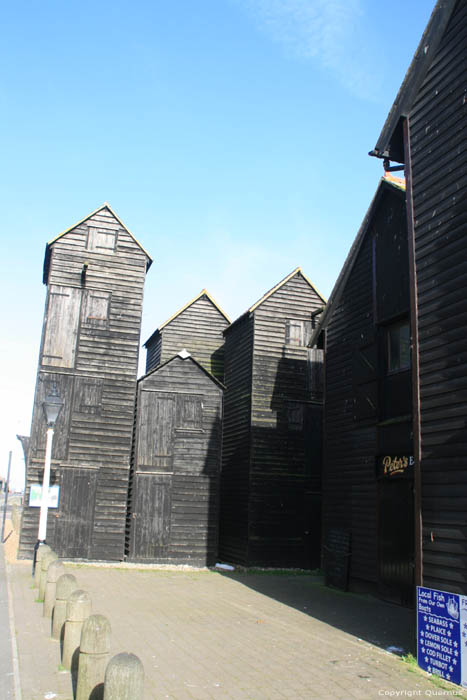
x=190 y=413
x=101 y=240
x=315 y=373
x=297 y=333
x=96 y=309
x=398 y=347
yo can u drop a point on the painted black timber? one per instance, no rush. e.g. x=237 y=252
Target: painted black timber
x=368 y=296
x=178 y=523
x=269 y=478
x=233 y=543
x=437 y=124
x=95 y=274
x=199 y=329
x=390 y=142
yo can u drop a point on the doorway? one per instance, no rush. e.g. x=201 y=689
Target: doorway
x=396 y=540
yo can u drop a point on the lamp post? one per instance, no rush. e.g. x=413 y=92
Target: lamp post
x=52 y=405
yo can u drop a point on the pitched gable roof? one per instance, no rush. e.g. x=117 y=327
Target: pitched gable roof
x=203 y=293
x=388 y=144
x=78 y=223
x=388 y=181
x=297 y=271
x=184 y=355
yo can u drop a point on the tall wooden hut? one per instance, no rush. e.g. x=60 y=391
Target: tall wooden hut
x=174 y=494
x=425 y=131
x=270 y=492
x=198 y=327
x=367 y=445
x=95 y=273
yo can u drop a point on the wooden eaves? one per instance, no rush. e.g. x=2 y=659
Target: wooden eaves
x=298 y=270
x=389 y=144
x=184 y=355
x=106 y=205
x=336 y=294
x=202 y=293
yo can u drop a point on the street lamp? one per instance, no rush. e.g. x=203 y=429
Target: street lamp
x=52 y=405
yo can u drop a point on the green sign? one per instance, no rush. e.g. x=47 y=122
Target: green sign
x=35 y=496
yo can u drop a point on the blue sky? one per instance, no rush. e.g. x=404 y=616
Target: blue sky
x=231 y=137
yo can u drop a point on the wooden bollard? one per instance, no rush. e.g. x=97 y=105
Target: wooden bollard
x=41 y=552
x=66 y=584
x=124 y=678
x=94 y=652
x=78 y=609
x=55 y=570
x=46 y=560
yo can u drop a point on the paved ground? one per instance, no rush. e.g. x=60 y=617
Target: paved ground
x=6 y=658
x=204 y=635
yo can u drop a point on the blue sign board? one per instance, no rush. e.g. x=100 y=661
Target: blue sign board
x=442 y=634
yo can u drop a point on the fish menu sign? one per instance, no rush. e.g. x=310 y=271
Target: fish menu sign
x=442 y=634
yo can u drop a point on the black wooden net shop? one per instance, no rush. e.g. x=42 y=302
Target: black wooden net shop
x=368 y=454
x=95 y=273
x=198 y=327
x=271 y=472
x=426 y=132
x=174 y=485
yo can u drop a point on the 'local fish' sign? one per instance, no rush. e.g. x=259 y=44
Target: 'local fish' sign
x=442 y=634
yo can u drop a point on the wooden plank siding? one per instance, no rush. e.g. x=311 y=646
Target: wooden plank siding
x=95 y=274
x=362 y=419
x=177 y=457
x=199 y=329
x=233 y=543
x=350 y=448
x=266 y=473
x=278 y=471
x=437 y=124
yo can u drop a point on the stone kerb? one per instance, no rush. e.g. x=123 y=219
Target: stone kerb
x=78 y=609
x=66 y=584
x=93 y=658
x=55 y=570
x=41 y=552
x=46 y=560
x=124 y=678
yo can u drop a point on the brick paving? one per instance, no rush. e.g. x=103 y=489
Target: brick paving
x=203 y=634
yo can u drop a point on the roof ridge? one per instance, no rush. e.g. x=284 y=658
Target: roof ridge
x=296 y=271
x=202 y=293
x=188 y=356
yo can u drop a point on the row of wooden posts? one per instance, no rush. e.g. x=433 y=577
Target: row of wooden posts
x=84 y=637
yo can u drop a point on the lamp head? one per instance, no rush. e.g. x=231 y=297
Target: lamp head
x=52 y=405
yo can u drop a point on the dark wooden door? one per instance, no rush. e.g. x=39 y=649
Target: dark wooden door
x=150 y=520
x=396 y=541
x=75 y=515
x=155 y=431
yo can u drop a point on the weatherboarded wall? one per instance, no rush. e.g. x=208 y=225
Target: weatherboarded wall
x=367 y=408
x=198 y=328
x=437 y=137
x=174 y=493
x=236 y=441
x=268 y=466
x=95 y=275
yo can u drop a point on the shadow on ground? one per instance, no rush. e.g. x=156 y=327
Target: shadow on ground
x=380 y=623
